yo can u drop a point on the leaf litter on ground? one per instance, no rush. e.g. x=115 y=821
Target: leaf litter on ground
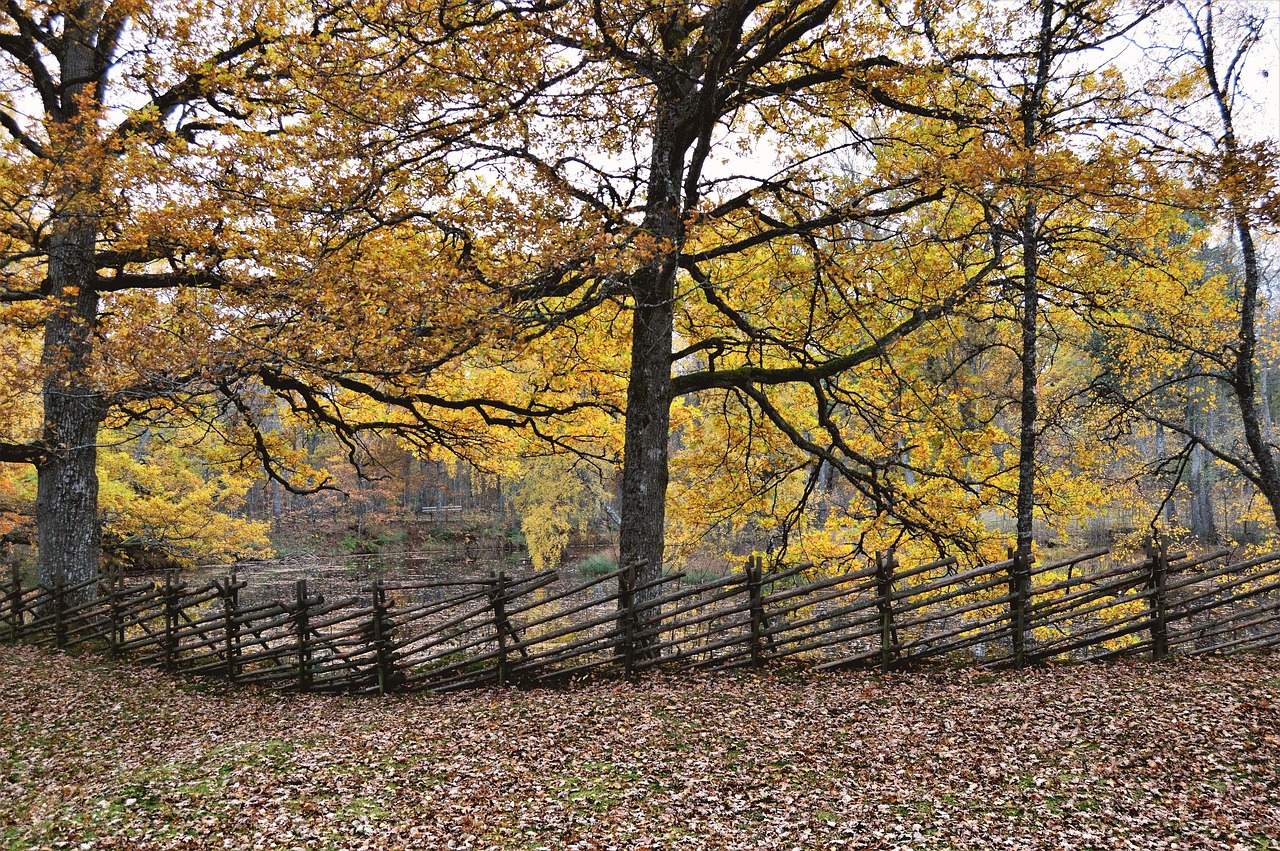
x=1180 y=755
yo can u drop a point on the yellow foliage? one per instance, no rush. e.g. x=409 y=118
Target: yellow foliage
x=555 y=497
x=17 y=496
x=166 y=495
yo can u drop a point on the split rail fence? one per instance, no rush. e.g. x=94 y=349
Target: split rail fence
x=500 y=629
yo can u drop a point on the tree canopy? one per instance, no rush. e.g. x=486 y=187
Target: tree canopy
x=830 y=273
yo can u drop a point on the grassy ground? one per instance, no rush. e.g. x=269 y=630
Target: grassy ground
x=1177 y=755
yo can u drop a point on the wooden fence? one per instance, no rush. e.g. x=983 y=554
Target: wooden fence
x=446 y=635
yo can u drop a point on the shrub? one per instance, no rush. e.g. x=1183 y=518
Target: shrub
x=597 y=564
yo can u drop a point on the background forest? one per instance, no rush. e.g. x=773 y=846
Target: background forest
x=806 y=277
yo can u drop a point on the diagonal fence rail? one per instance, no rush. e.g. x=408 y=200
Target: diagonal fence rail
x=448 y=635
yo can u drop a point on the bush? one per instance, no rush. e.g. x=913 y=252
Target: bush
x=597 y=564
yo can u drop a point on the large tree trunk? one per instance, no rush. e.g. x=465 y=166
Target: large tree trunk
x=67 y=492
x=67 y=489
x=642 y=501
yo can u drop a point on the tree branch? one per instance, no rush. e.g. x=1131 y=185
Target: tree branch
x=745 y=377
x=8 y=122
x=20 y=453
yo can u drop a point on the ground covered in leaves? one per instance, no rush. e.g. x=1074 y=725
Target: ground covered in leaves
x=1177 y=755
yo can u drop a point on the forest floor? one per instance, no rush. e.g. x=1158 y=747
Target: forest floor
x=1184 y=754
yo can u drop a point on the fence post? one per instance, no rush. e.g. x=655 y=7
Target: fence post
x=59 y=612
x=1157 y=597
x=170 y=621
x=755 y=590
x=884 y=602
x=115 y=626
x=15 y=602
x=498 y=602
x=108 y=582
x=230 y=628
x=627 y=609
x=301 y=629
x=1019 y=603
x=382 y=661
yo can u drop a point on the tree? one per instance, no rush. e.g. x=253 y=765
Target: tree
x=1246 y=179
x=167 y=494
x=1196 y=337
x=105 y=100
x=555 y=498
x=187 y=192
x=652 y=204
x=1056 y=165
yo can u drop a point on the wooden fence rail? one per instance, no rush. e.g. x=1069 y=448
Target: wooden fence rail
x=502 y=629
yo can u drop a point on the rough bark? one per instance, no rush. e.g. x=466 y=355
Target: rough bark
x=642 y=501
x=1030 y=401
x=67 y=489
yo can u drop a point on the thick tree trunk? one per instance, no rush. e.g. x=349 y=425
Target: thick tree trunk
x=67 y=492
x=67 y=489
x=642 y=501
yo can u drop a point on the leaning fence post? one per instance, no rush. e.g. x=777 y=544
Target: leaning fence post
x=382 y=660
x=103 y=617
x=115 y=628
x=170 y=621
x=301 y=629
x=884 y=603
x=1157 y=597
x=230 y=627
x=59 y=612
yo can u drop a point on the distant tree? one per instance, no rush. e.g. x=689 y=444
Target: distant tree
x=1196 y=338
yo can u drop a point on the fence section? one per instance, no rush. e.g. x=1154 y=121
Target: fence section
x=500 y=629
